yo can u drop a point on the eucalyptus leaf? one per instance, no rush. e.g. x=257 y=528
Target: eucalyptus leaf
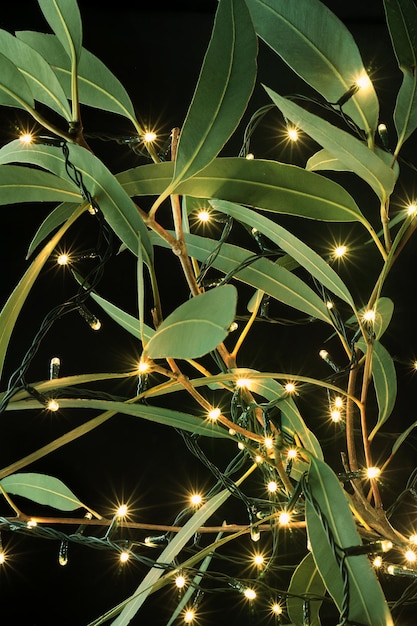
x=367 y=604
x=196 y=327
x=97 y=86
x=126 y=321
x=41 y=79
x=267 y=185
x=52 y=221
x=117 y=207
x=354 y=153
x=14 y=88
x=400 y=440
x=324 y=160
x=383 y=311
x=63 y=16
x=316 y=44
x=20 y=184
x=305 y=581
x=224 y=87
x=43 y=489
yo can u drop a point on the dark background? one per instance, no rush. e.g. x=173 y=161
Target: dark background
x=156 y=50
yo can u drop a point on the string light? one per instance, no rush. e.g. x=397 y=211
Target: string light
x=196 y=499
x=149 y=136
x=26 y=138
x=250 y=156
x=122 y=510
x=243 y=383
x=203 y=215
x=290 y=388
x=369 y=315
x=292 y=133
x=410 y=556
x=268 y=443
x=249 y=593
x=363 y=82
x=52 y=405
x=143 y=366
x=124 y=556
x=340 y=251
x=214 y=414
x=277 y=609
x=292 y=453
x=377 y=562
x=372 y=472
x=272 y=486
x=180 y=581
x=63 y=259
x=258 y=560
x=189 y=616
x=411 y=209
x=335 y=415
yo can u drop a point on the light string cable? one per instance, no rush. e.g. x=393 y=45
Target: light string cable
x=133 y=142
x=104 y=250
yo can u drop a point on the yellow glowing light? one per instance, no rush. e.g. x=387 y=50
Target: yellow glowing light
x=324 y=354
x=338 y=402
x=284 y=518
x=143 y=366
x=189 y=616
x=31 y=523
x=149 y=136
x=196 y=499
x=292 y=133
x=122 y=510
x=410 y=556
x=124 y=556
x=373 y=472
x=95 y=323
x=377 y=562
x=258 y=560
x=411 y=209
x=249 y=593
x=26 y=138
x=290 y=388
x=63 y=259
x=277 y=609
x=369 y=315
x=243 y=382
x=415 y=365
x=272 y=486
x=386 y=545
x=413 y=539
x=203 y=215
x=268 y=442
x=391 y=569
x=339 y=251
x=250 y=156
x=2 y=558
x=214 y=414
x=363 y=82
x=233 y=326
x=180 y=582
x=258 y=459
x=336 y=415
x=52 y=405
x=241 y=445
x=292 y=453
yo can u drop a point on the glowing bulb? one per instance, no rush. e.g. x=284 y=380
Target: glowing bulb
x=391 y=569
x=203 y=215
x=292 y=133
x=413 y=539
x=415 y=365
x=250 y=156
x=324 y=354
x=410 y=556
x=180 y=582
x=373 y=472
x=258 y=459
x=52 y=405
x=258 y=560
x=369 y=315
x=386 y=545
x=95 y=323
x=196 y=499
x=277 y=609
x=63 y=259
x=124 y=556
x=363 y=81
x=336 y=415
x=2 y=558
x=338 y=402
x=243 y=382
x=189 y=616
x=290 y=388
x=241 y=445
x=272 y=486
x=249 y=593
x=329 y=304
x=31 y=523
x=377 y=562
x=292 y=453
x=149 y=136
x=339 y=251
x=26 y=138
x=411 y=209
x=268 y=442
x=122 y=510
x=284 y=518
x=233 y=326
x=214 y=414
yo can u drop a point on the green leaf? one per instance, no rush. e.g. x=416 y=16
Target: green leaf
x=261 y=274
x=267 y=185
x=383 y=309
x=42 y=81
x=14 y=88
x=98 y=87
x=293 y=246
x=324 y=160
x=367 y=604
x=401 y=16
x=42 y=489
x=126 y=321
x=306 y=581
x=21 y=184
x=117 y=207
x=385 y=382
x=400 y=440
x=354 y=153
x=57 y=217
x=63 y=16
x=224 y=87
x=320 y=49
x=196 y=327
x=11 y=309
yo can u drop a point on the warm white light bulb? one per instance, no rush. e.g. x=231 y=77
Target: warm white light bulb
x=292 y=453
x=52 y=405
x=63 y=259
x=214 y=414
x=292 y=133
x=258 y=560
x=143 y=367
x=269 y=443
x=411 y=209
x=189 y=616
x=277 y=609
x=196 y=499
x=413 y=540
x=410 y=556
x=290 y=388
x=369 y=315
x=363 y=81
x=180 y=582
x=26 y=138
x=338 y=402
x=243 y=382
x=249 y=593
x=329 y=304
x=122 y=510
x=2 y=558
x=336 y=415
x=377 y=562
x=124 y=556
x=95 y=323
x=250 y=156
x=284 y=518
x=372 y=472
x=340 y=251
x=272 y=486
x=149 y=136
x=203 y=215
x=258 y=459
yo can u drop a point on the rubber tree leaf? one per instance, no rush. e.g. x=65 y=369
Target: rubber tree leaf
x=320 y=49
x=267 y=185
x=63 y=16
x=11 y=309
x=97 y=85
x=327 y=501
x=42 y=489
x=261 y=274
x=42 y=81
x=354 y=153
x=305 y=256
x=21 y=184
x=305 y=581
x=196 y=327
x=385 y=382
x=223 y=90
x=14 y=88
x=118 y=209
x=401 y=16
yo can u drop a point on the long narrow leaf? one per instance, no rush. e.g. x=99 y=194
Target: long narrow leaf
x=63 y=16
x=14 y=88
x=306 y=581
x=19 y=184
x=43 y=489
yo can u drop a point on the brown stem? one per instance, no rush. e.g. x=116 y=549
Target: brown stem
x=350 y=417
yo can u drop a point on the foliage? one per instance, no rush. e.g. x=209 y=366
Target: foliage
x=194 y=363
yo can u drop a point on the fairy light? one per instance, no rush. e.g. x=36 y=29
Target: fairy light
x=143 y=367
x=214 y=414
x=203 y=215
x=124 y=556
x=372 y=472
x=377 y=562
x=31 y=523
x=363 y=82
x=250 y=156
x=290 y=388
x=63 y=259
x=340 y=251
x=258 y=560
x=369 y=315
x=189 y=616
x=335 y=415
x=259 y=459
x=249 y=593
x=284 y=518
x=292 y=133
x=272 y=486
x=26 y=138
x=243 y=383
x=292 y=453
x=277 y=609
x=338 y=402
x=241 y=445
x=95 y=323
x=329 y=304
x=122 y=510
x=268 y=443
x=2 y=558
x=410 y=556
x=52 y=405
x=411 y=209
x=149 y=136
x=196 y=499
x=415 y=365
x=180 y=582
x=413 y=540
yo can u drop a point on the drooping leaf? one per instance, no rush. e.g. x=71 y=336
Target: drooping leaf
x=224 y=87
x=118 y=209
x=43 y=83
x=63 y=16
x=261 y=274
x=11 y=309
x=400 y=440
x=126 y=321
x=14 y=88
x=385 y=382
x=98 y=87
x=196 y=327
x=327 y=501
x=320 y=49
x=293 y=246
x=401 y=16
x=20 y=184
x=42 y=489
x=324 y=160
x=306 y=581
x=267 y=185
x=57 y=217
x=354 y=153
